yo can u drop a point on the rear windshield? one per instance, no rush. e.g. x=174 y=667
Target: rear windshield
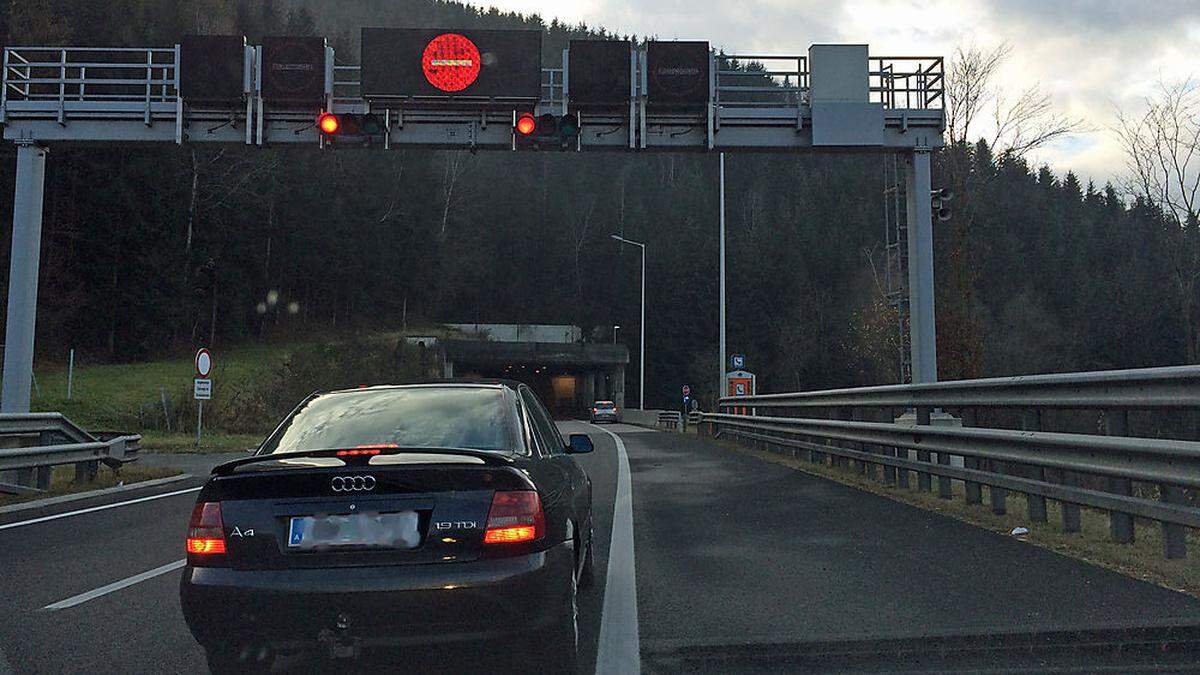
x=452 y=417
x=605 y=405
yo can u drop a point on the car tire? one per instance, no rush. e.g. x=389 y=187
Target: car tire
x=560 y=649
x=223 y=661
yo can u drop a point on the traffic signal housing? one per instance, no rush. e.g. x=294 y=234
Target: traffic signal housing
x=546 y=131
x=939 y=199
x=351 y=128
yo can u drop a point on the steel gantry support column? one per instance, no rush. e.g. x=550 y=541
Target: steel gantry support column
x=921 y=325
x=23 y=278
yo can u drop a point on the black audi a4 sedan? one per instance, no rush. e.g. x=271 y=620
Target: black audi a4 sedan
x=394 y=516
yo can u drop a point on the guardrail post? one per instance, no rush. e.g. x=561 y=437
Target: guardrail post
x=998 y=494
x=851 y=415
x=901 y=473
x=1174 y=536
x=1031 y=420
x=1116 y=423
x=837 y=460
x=974 y=495
x=43 y=476
x=1070 y=512
x=869 y=468
x=924 y=480
x=85 y=472
x=944 y=489
x=889 y=471
x=814 y=456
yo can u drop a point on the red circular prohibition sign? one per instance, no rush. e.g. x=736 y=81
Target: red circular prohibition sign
x=450 y=62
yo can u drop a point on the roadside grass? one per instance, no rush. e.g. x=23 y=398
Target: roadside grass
x=62 y=481
x=210 y=442
x=129 y=396
x=1143 y=559
x=108 y=396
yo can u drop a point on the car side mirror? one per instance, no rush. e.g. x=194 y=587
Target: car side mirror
x=580 y=444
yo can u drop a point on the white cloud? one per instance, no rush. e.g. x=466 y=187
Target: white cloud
x=1090 y=55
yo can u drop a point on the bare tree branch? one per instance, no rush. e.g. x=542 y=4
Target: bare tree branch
x=456 y=165
x=1021 y=125
x=969 y=86
x=1162 y=160
x=1162 y=150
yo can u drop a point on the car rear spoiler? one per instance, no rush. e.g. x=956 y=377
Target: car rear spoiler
x=362 y=456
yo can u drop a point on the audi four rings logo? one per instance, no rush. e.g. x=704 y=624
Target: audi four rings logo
x=353 y=483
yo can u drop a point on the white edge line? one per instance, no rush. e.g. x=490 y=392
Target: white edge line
x=115 y=586
x=78 y=496
x=68 y=514
x=619 y=648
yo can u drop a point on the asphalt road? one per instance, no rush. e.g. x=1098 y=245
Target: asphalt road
x=729 y=550
x=733 y=550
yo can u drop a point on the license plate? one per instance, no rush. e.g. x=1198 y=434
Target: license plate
x=380 y=530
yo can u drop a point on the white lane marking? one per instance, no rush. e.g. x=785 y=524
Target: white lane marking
x=68 y=514
x=92 y=494
x=619 y=650
x=115 y=586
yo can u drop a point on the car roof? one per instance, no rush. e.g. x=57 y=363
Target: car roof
x=462 y=383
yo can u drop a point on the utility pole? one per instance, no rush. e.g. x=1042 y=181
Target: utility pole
x=642 y=348
x=721 y=368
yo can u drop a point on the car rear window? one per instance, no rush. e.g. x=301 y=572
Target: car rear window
x=605 y=405
x=479 y=418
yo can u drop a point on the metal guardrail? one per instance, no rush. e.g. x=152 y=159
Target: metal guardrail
x=1076 y=469
x=907 y=82
x=750 y=80
x=44 y=440
x=18 y=424
x=671 y=419
x=1143 y=388
x=113 y=450
x=897 y=82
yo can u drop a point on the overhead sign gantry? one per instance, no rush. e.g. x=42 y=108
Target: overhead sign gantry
x=459 y=88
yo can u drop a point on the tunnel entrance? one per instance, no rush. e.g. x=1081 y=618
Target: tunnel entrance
x=565 y=372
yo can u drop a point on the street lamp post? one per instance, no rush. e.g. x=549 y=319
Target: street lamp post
x=615 y=327
x=642 y=348
x=722 y=365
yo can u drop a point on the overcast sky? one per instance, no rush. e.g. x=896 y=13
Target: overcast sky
x=1090 y=55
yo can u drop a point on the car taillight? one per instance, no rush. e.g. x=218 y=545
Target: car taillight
x=515 y=517
x=206 y=532
x=595 y=410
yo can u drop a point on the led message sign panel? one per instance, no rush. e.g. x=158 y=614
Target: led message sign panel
x=677 y=73
x=293 y=69
x=451 y=63
x=212 y=68
x=598 y=73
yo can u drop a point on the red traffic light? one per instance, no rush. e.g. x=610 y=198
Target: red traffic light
x=328 y=123
x=526 y=124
